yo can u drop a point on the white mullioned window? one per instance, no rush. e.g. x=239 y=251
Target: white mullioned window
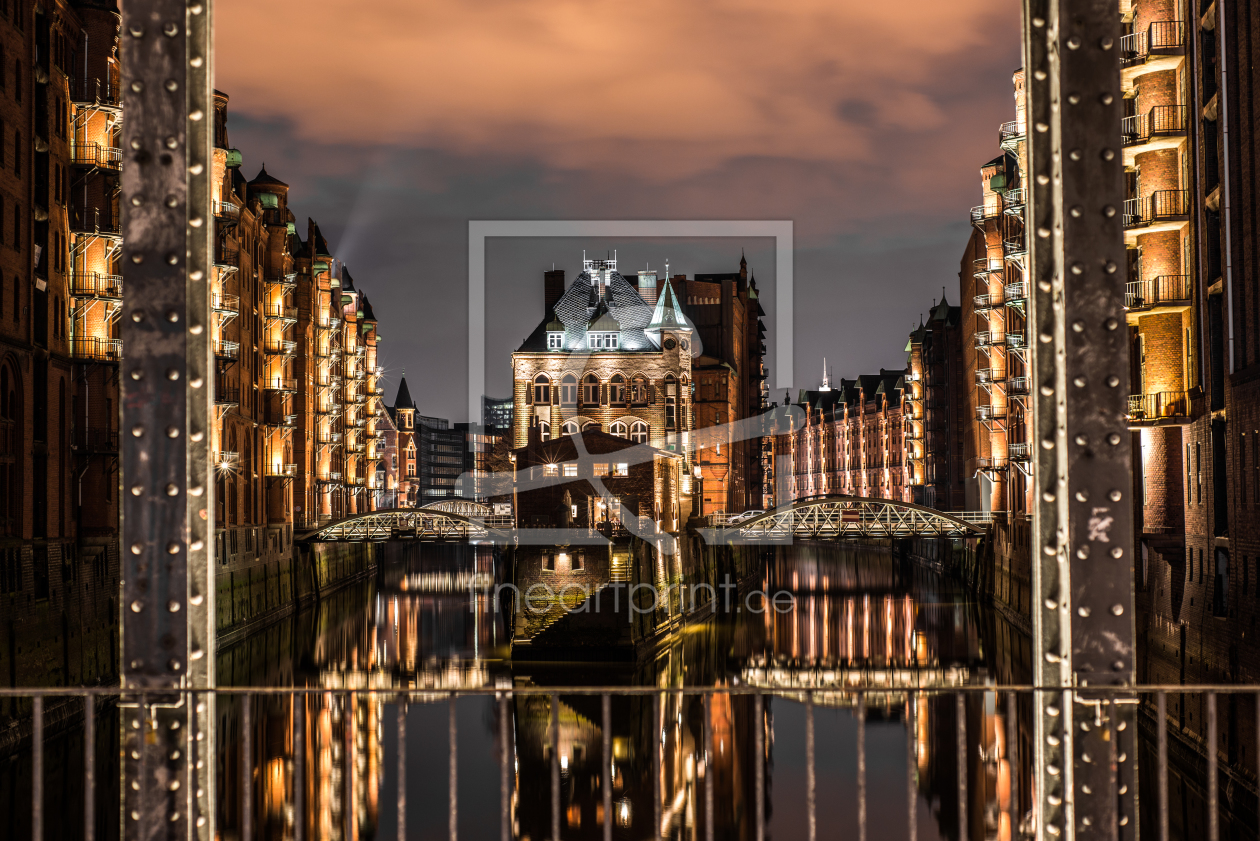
x=555 y=341
x=602 y=341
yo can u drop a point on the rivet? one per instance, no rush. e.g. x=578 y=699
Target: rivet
x=1079 y=382
x=137 y=431
x=1050 y=550
x=137 y=258
x=1048 y=496
x=197 y=545
x=196 y=115
x=1111 y=324
x=1082 y=552
x=1082 y=495
x=172 y=85
x=1038 y=22
x=135 y=754
x=196 y=274
x=1124 y=820
x=196 y=222
x=136 y=144
x=136 y=201
x=172 y=316
x=1108 y=154
x=1051 y=604
x=135 y=816
x=1077 y=211
x=1087 y=821
x=1052 y=770
x=1106 y=43
x=1109 y=211
x=1081 y=440
x=1051 y=657
x=172 y=432
x=1074 y=43
x=1052 y=711
x=1039 y=75
x=1078 y=326
x=198 y=490
x=170 y=30
x=137 y=316
x=172 y=201
x=195 y=329
x=136 y=607
x=196 y=437
x=1043 y=180
x=172 y=142
x=136 y=31
x=1115 y=496
x=1113 y=381
x=1043 y=232
x=201 y=819
x=172 y=259
x=1074 y=98
x=1083 y=612
x=175 y=754
x=175 y=665
x=196 y=61
x=1075 y=154
x=1042 y=127
x=196 y=382
x=1045 y=338
x=1113 y=439
x=1087 y=759
x=172 y=489
x=1052 y=740
x=172 y=606
x=1106 y=99
x=172 y=374
x=1117 y=552
x=172 y=548
x=1047 y=391
x=195 y=8
x=174 y=725
x=137 y=548
x=136 y=490
x=1044 y=285
x=1047 y=443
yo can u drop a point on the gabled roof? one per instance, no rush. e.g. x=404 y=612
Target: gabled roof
x=576 y=310
x=603 y=321
x=366 y=306
x=321 y=244
x=347 y=282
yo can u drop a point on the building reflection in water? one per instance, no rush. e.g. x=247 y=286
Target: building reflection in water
x=861 y=617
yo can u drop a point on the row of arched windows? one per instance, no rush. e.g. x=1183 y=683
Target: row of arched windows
x=636 y=431
x=638 y=391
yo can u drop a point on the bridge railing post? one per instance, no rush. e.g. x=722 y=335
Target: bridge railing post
x=1082 y=545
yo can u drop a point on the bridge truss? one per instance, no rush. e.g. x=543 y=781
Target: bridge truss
x=841 y=517
x=403 y=523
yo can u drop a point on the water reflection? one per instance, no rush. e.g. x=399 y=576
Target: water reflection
x=861 y=617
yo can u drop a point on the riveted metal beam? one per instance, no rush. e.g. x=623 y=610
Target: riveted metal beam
x=1082 y=520
x=168 y=604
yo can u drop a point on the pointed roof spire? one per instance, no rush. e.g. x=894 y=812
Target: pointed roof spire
x=826 y=380
x=668 y=314
x=403 y=400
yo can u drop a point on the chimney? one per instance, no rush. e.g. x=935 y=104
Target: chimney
x=553 y=288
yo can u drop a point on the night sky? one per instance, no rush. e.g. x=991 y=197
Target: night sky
x=397 y=121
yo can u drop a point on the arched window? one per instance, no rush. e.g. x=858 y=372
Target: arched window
x=542 y=389
x=544 y=431
x=617 y=390
x=618 y=429
x=590 y=390
x=639 y=432
x=590 y=427
x=568 y=390
x=639 y=391
x=569 y=428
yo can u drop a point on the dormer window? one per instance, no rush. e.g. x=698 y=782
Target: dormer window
x=602 y=341
x=555 y=341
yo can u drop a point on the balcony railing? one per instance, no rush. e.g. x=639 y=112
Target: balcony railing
x=96 y=92
x=989 y=338
x=280 y=313
x=1161 y=291
x=980 y=212
x=991 y=463
x=1016 y=340
x=327 y=437
x=284 y=281
x=227 y=350
x=1158 y=405
x=1159 y=206
x=227 y=459
x=1019 y=452
x=984 y=266
x=1162 y=37
x=988 y=375
x=95 y=285
x=96 y=350
x=227 y=256
x=96 y=155
x=227 y=395
x=282 y=421
x=273 y=383
x=1011 y=132
x=224 y=303
x=1015 y=291
x=1160 y=121
x=1017 y=385
x=282 y=348
x=275 y=469
x=226 y=210
x=988 y=302
x=986 y=413
x=96 y=440
x=95 y=220
x=1013 y=201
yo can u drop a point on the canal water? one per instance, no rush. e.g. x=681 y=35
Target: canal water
x=428 y=622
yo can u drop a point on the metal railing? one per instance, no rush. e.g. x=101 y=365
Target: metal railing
x=1159 y=206
x=958 y=736
x=227 y=350
x=95 y=220
x=980 y=212
x=96 y=92
x=95 y=349
x=282 y=348
x=1158 y=405
x=1165 y=289
x=1162 y=37
x=94 y=439
x=222 y=302
x=1017 y=385
x=988 y=338
x=96 y=285
x=1011 y=131
x=282 y=313
x=276 y=469
x=1160 y=121
x=987 y=302
x=1015 y=291
x=280 y=384
x=96 y=155
x=227 y=256
x=990 y=412
x=226 y=210
x=227 y=395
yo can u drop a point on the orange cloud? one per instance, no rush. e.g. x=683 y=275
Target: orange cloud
x=656 y=88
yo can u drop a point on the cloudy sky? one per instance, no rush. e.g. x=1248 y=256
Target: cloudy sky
x=396 y=122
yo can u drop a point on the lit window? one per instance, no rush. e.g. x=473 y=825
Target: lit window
x=570 y=469
x=542 y=389
x=602 y=341
x=544 y=431
x=617 y=390
x=618 y=429
x=601 y=468
x=623 y=469
x=639 y=432
x=590 y=390
x=568 y=390
x=555 y=341
x=551 y=470
x=569 y=428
